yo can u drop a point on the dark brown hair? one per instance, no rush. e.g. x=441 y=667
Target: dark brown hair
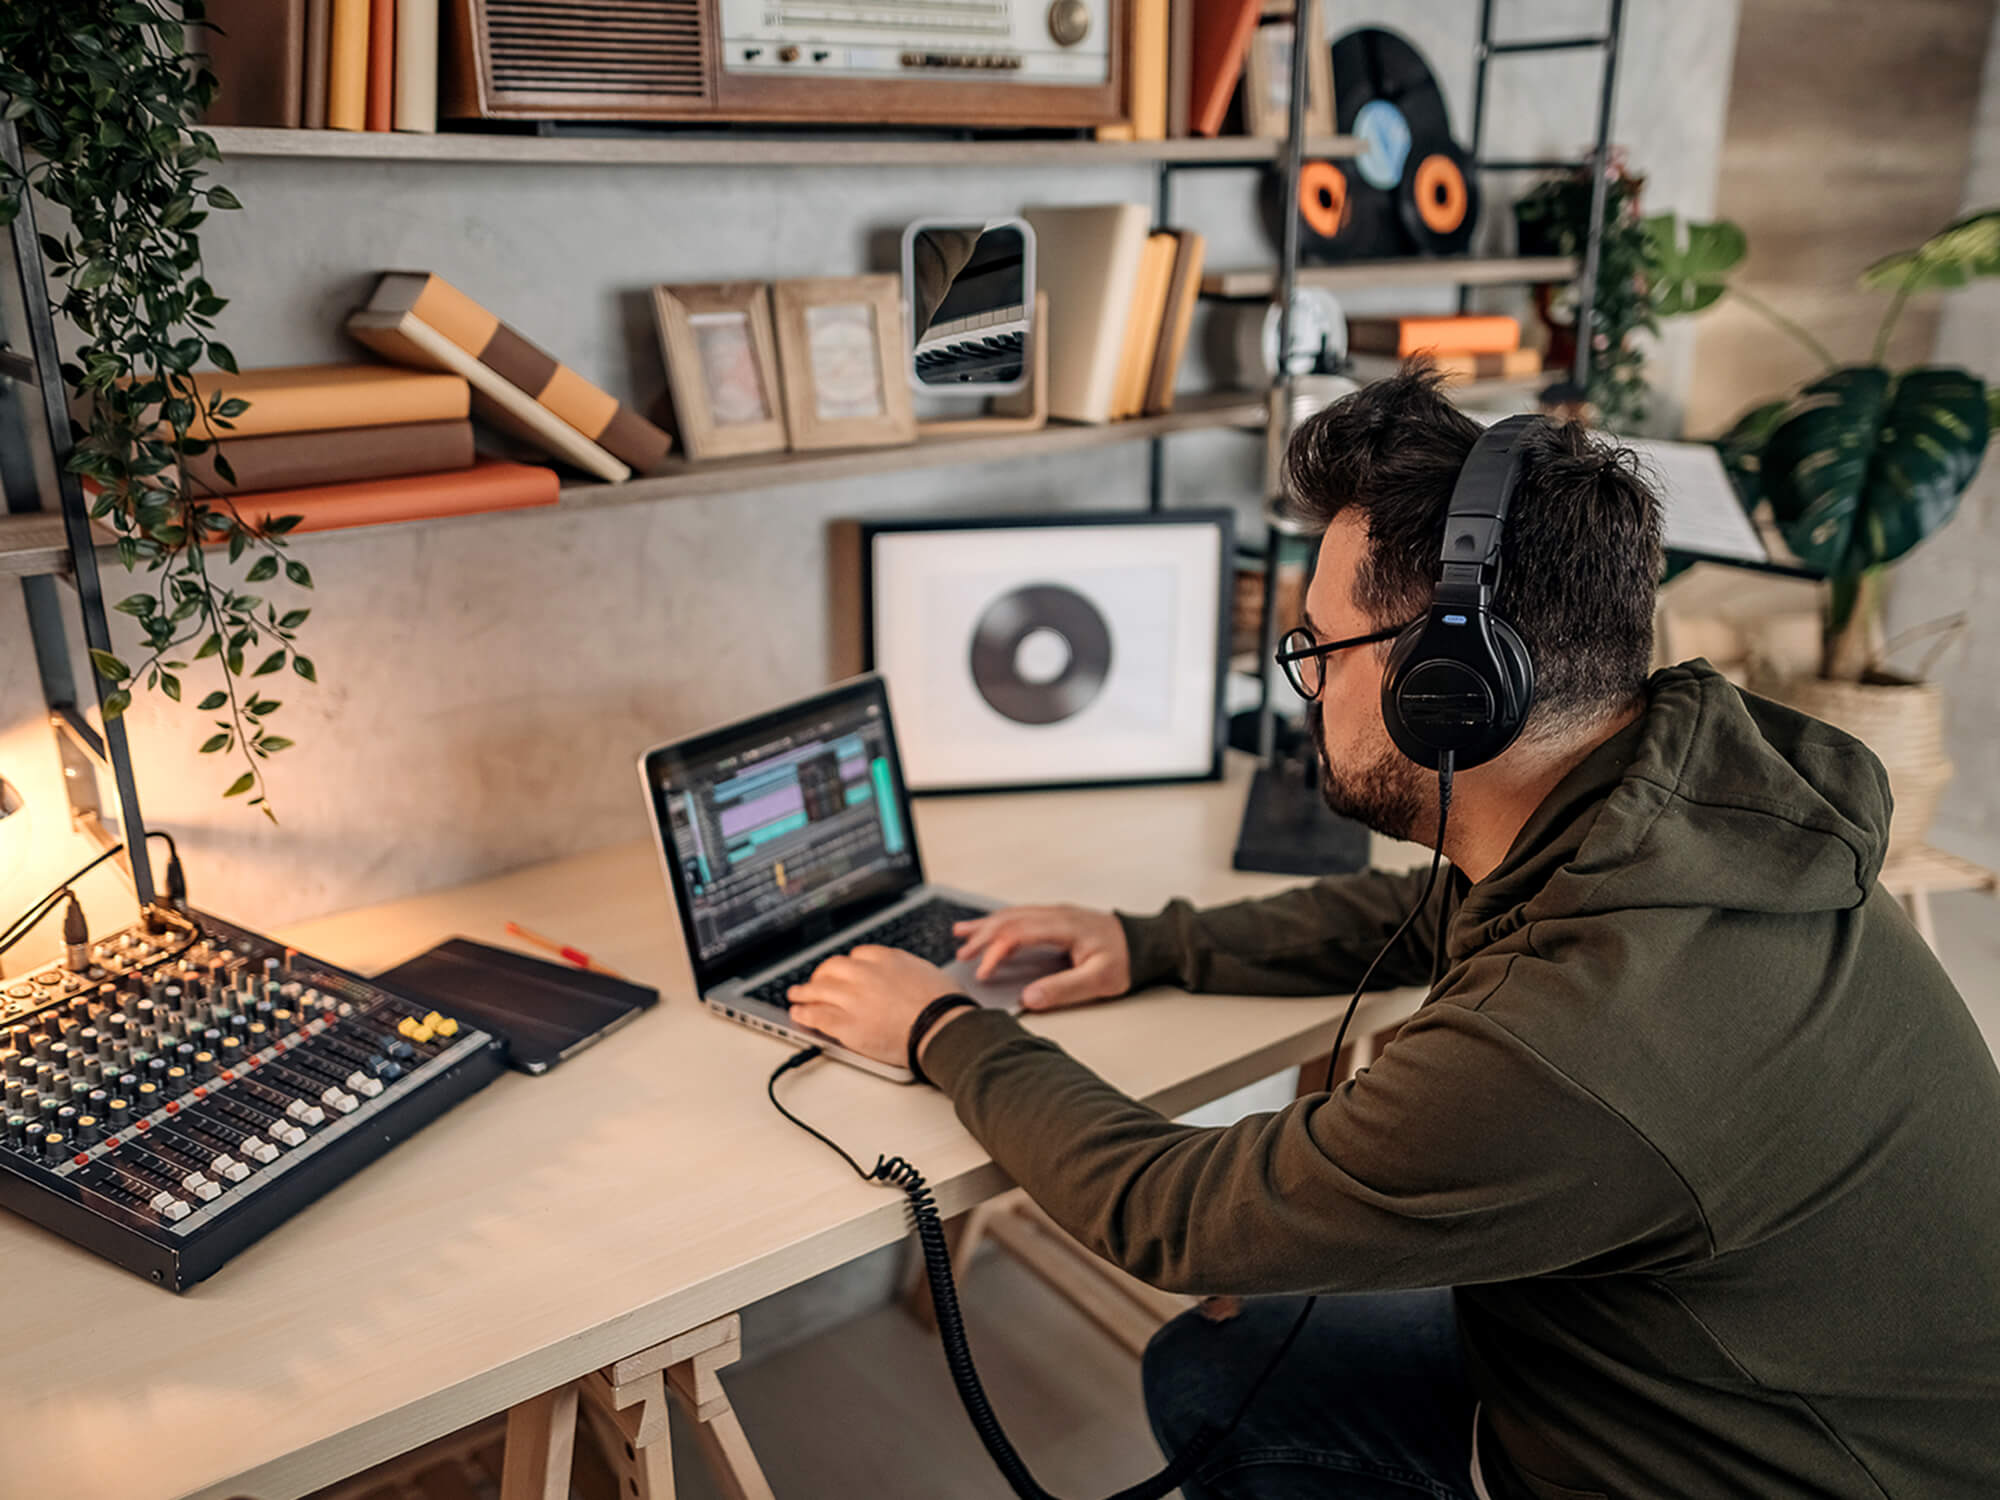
x=1579 y=561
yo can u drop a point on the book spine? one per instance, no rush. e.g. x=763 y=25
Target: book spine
x=380 y=108
x=416 y=65
x=337 y=456
x=317 y=406
x=588 y=408
x=347 y=66
x=319 y=45
x=486 y=486
x=256 y=49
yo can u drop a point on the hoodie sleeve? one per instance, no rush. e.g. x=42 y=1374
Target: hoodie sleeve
x=1459 y=1156
x=1314 y=940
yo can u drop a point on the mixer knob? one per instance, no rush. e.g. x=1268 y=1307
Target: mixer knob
x=256 y=1037
x=155 y=1069
x=89 y=1131
x=175 y=1081
x=61 y=1088
x=92 y=1070
x=17 y=1131
x=117 y=1114
x=204 y=1064
x=42 y=1045
x=55 y=1145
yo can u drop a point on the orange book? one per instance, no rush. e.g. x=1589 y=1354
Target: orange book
x=1464 y=333
x=1148 y=53
x=347 y=66
x=381 y=107
x=312 y=398
x=1221 y=36
x=490 y=484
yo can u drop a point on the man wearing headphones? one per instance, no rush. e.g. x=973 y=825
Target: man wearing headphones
x=1684 y=1181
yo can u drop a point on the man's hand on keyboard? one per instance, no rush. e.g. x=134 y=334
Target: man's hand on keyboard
x=868 y=999
x=1100 y=963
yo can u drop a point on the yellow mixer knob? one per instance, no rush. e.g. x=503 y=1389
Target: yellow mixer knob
x=446 y=1026
x=409 y=1026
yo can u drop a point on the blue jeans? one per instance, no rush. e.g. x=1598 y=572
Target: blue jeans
x=1371 y=1402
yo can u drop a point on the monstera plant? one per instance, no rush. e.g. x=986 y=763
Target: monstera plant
x=1858 y=466
x=1863 y=462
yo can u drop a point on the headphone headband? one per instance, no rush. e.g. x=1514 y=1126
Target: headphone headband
x=1469 y=556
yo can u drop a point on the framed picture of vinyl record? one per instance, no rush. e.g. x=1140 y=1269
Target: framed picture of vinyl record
x=1035 y=652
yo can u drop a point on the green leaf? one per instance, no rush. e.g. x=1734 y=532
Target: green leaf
x=241 y=784
x=265 y=567
x=279 y=525
x=273 y=743
x=93 y=275
x=237 y=540
x=136 y=604
x=298 y=573
x=1742 y=450
x=222 y=357
x=1957 y=254
x=116 y=703
x=171 y=686
x=1864 y=466
x=213 y=701
x=209 y=647
x=221 y=197
x=270 y=664
x=293 y=619
x=109 y=667
x=305 y=668
x=214 y=743
x=1689 y=277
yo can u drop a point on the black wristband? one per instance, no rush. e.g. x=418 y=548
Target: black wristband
x=927 y=1018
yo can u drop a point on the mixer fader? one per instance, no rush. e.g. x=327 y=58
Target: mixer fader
x=173 y=1093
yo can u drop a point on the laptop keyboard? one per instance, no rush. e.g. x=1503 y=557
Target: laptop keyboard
x=923 y=930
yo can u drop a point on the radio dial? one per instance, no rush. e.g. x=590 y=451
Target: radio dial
x=1069 y=22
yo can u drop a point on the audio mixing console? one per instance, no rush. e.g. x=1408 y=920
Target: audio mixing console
x=175 y=1092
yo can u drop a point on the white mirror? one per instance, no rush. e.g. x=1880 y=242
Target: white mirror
x=969 y=289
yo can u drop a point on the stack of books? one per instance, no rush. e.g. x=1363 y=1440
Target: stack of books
x=351 y=445
x=322 y=64
x=421 y=321
x=1120 y=302
x=1465 y=346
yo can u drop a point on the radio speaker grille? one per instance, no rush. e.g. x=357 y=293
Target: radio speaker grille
x=587 y=48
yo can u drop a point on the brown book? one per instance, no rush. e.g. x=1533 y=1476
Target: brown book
x=319 y=55
x=380 y=111
x=1463 y=333
x=339 y=455
x=1221 y=36
x=591 y=411
x=1142 y=325
x=1180 y=65
x=490 y=484
x=1183 y=291
x=256 y=49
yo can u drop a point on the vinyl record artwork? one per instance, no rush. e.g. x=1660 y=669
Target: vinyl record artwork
x=1050 y=650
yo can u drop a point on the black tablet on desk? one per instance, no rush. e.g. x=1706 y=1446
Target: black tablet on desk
x=545 y=1012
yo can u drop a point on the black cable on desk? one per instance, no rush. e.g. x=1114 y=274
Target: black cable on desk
x=22 y=925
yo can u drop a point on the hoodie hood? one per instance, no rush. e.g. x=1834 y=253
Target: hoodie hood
x=1713 y=797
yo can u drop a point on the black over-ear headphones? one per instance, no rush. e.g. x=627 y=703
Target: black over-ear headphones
x=1459 y=680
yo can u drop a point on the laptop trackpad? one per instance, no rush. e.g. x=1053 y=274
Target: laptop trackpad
x=1001 y=990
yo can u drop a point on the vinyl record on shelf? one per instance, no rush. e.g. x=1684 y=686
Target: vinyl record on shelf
x=1340 y=217
x=1439 y=199
x=1385 y=94
x=1040 y=654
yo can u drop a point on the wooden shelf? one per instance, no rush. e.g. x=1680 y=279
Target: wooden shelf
x=744 y=150
x=686 y=479
x=32 y=544
x=1426 y=271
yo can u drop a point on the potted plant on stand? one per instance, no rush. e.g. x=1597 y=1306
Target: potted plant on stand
x=1858 y=466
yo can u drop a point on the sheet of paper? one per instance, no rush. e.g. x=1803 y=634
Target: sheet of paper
x=1700 y=511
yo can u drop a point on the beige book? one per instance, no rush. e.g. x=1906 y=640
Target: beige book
x=347 y=66
x=1142 y=325
x=1183 y=291
x=406 y=340
x=1087 y=259
x=415 y=103
x=1148 y=92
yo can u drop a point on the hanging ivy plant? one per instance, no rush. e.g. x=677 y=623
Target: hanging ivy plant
x=104 y=96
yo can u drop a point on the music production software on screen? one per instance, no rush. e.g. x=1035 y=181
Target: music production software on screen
x=772 y=832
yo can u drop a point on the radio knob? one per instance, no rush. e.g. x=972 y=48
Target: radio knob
x=788 y=54
x=1069 y=22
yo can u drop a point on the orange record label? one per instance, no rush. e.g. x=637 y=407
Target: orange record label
x=1441 y=196
x=1323 y=197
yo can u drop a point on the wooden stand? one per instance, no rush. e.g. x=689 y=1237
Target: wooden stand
x=1026 y=412
x=624 y=1408
x=1911 y=877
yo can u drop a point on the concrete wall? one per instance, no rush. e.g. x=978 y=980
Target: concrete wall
x=486 y=683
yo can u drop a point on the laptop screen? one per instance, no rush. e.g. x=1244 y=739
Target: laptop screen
x=785 y=826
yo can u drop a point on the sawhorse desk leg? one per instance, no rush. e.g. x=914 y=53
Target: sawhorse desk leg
x=625 y=1405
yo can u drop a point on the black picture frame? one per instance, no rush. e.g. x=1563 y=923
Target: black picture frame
x=1224 y=523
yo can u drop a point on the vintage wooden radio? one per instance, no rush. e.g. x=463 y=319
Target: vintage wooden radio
x=992 y=63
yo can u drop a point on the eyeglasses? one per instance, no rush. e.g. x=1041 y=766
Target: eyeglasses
x=1304 y=661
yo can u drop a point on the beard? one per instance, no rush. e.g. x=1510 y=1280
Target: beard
x=1385 y=794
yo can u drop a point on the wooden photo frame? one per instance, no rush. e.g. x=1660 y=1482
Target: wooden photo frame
x=722 y=367
x=1267 y=73
x=842 y=352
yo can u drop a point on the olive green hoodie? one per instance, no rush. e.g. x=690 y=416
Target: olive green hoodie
x=1694 y=1123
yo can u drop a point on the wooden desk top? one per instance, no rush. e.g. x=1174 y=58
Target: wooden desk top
x=550 y=1225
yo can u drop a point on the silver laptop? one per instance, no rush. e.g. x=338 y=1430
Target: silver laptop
x=787 y=839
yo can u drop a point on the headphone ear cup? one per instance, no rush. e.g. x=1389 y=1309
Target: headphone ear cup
x=1517 y=680
x=1401 y=654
